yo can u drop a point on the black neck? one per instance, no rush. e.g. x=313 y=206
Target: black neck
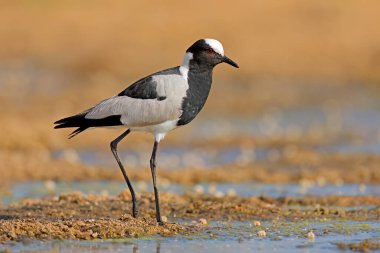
x=199 y=79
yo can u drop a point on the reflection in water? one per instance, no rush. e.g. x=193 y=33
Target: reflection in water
x=135 y=248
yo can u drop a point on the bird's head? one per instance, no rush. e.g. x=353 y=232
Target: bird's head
x=208 y=52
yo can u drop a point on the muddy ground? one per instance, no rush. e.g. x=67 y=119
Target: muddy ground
x=87 y=217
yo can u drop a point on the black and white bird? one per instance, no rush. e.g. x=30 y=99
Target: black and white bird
x=156 y=104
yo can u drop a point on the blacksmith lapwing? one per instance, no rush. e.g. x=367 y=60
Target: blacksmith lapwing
x=156 y=104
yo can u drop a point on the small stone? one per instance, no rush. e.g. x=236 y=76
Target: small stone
x=231 y=192
x=261 y=233
x=50 y=186
x=212 y=189
x=104 y=193
x=202 y=221
x=310 y=235
x=142 y=186
x=95 y=235
x=164 y=183
x=199 y=189
x=164 y=219
x=125 y=195
x=219 y=194
x=257 y=223
x=71 y=156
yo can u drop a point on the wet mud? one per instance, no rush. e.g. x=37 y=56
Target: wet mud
x=88 y=217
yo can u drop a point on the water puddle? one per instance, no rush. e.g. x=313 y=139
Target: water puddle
x=226 y=237
x=41 y=189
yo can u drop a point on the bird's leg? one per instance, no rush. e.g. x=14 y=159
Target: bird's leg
x=114 y=152
x=153 y=169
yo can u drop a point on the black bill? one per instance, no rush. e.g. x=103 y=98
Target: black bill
x=229 y=61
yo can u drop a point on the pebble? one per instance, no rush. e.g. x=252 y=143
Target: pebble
x=164 y=219
x=231 y=192
x=362 y=188
x=219 y=194
x=199 y=189
x=310 y=235
x=71 y=156
x=203 y=221
x=142 y=186
x=257 y=223
x=50 y=185
x=212 y=189
x=261 y=233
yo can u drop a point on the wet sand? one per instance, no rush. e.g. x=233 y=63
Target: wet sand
x=87 y=217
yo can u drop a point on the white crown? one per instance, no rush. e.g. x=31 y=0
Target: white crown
x=215 y=45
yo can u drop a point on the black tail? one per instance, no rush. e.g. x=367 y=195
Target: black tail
x=82 y=123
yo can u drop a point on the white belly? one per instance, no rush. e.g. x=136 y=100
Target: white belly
x=159 y=130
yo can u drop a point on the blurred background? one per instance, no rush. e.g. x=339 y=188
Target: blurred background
x=304 y=103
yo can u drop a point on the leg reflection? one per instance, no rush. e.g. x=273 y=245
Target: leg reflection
x=135 y=248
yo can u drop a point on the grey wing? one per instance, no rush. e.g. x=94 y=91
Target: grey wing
x=138 y=112
x=145 y=88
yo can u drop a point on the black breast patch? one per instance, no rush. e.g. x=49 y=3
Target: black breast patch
x=196 y=95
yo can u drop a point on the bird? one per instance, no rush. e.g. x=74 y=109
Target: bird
x=156 y=104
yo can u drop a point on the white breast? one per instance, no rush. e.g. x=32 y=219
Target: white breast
x=159 y=130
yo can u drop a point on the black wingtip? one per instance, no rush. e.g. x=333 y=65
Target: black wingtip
x=63 y=120
x=76 y=132
x=81 y=123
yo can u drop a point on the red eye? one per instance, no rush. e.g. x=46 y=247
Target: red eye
x=210 y=51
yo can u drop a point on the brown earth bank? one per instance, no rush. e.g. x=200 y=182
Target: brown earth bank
x=78 y=216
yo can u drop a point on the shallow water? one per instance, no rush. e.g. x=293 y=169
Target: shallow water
x=40 y=189
x=225 y=237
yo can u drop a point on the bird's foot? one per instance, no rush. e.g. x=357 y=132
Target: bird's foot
x=160 y=221
x=135 y=213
